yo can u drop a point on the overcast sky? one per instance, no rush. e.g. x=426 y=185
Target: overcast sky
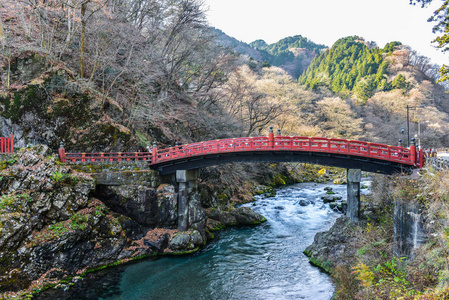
x=325 y=21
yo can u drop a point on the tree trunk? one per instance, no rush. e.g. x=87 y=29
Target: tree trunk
x=82 y=38
x=2 y=34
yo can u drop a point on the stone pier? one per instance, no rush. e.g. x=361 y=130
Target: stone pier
x=187 y=184
x=354 y=176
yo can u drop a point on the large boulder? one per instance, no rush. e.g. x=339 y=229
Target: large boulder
x=185 y=241
x=246 y=216
x=234 y=216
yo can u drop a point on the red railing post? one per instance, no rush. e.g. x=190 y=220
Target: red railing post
x=421 y=158
x=62 y=153
x=413 y=152
x=12 y=144
x=154 y=153
x=271 y=138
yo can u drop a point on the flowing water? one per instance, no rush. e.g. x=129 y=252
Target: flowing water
x=261 y=262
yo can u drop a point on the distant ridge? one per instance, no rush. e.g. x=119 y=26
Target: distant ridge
x=293 y=54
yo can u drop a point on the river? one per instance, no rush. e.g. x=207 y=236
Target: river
x=261 y=262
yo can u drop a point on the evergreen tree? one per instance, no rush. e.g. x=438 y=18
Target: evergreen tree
x=399 y=82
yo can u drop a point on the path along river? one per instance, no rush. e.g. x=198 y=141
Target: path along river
x=261 y=262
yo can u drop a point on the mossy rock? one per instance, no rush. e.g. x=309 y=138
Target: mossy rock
x=278 y=180
x=326 y=266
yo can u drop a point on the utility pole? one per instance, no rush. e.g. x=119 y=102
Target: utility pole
x=408 y=121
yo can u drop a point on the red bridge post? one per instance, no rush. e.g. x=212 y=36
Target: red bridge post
x=413 y=151
x=271 y=138
x=154 y=153
x=12 y=144
x=62 y=153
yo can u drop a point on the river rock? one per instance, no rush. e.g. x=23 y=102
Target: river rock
x=213 y=225
x=330 y=198
x=304 y=202
x=181 y=241
x=223 y=217
x=236 y=216
x=186 y=241
x=339 y=206
x=158 y=245
x=333 y=247
x=246 y=216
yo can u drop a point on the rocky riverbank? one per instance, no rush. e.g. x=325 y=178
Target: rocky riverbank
x=397 y=249
x=53 y=228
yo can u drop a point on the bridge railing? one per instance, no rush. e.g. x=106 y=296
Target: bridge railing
x=7 y=144
x=262 y=143
x=104 y=157
x=280 y=143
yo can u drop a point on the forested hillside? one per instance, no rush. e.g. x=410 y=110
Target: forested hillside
x=293 y=54
x=351 y=65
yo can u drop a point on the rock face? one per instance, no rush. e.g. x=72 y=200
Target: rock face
x=54 y=107
x=136 y=202
x=51 y=226
x=333 y=247
x=410 y=232
x=56 y=222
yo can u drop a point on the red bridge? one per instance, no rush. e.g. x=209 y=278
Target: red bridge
x=370 y=157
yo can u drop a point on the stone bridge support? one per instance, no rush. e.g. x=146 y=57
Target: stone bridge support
x=187 y=181
x=354 y=176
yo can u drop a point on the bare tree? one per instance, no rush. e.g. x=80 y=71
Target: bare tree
x=254 y=108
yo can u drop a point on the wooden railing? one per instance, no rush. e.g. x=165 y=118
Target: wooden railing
x=279 y=143
x=7 y=144
x=285 y=143
x=104 y=157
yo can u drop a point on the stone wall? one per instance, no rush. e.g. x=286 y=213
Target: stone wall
x=119 y=173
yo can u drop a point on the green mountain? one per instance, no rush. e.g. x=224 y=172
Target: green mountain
x=352 y=65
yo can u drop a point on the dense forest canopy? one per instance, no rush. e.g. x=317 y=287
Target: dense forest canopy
x=352 y=65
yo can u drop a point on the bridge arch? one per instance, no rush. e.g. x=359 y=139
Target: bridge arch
x=348 y=161
x=369 y=157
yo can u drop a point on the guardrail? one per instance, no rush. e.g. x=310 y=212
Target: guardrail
x=7 y=144
x=437 y=163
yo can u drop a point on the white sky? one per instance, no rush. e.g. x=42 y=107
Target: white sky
x=325 y=21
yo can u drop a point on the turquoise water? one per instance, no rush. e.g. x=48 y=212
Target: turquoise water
x=262 y=262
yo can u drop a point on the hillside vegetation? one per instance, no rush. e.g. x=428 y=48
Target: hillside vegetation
x=352 y=65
